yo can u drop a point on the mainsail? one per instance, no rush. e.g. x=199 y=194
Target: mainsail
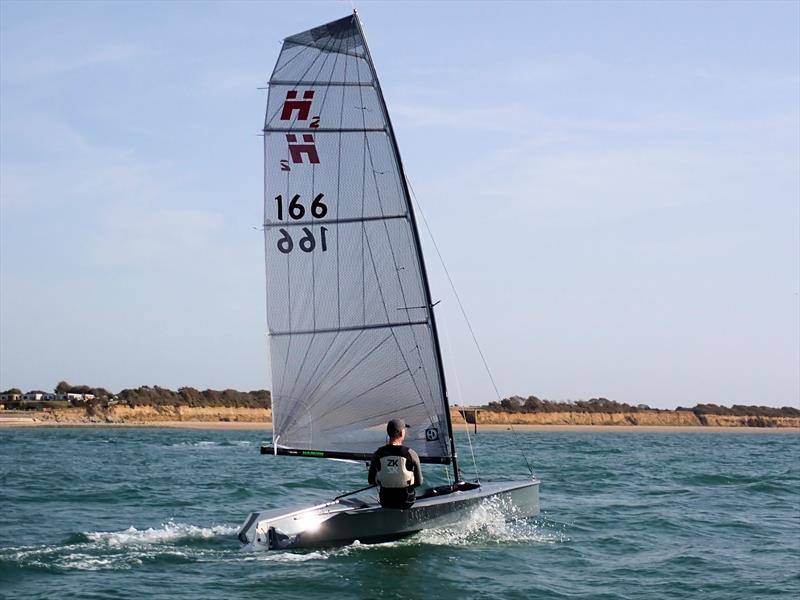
x=352 y=333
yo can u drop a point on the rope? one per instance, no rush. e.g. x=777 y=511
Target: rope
x=471 y=449
x=466 y=318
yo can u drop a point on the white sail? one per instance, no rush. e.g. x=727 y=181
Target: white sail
x=352 y=333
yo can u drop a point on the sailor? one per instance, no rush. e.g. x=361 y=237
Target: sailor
x=395 y=469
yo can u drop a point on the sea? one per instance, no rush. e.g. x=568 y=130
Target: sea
x=100 y=513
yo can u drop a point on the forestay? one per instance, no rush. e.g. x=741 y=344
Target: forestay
x=352 y=335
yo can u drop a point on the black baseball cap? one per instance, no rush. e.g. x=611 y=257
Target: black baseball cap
x=395 y=426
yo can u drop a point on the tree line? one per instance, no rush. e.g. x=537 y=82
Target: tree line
x=158 y=396
x=188 y=396
x=532 y=404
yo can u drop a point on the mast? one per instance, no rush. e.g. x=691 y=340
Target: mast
x=417 y=246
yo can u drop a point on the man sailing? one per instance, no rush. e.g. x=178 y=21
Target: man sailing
x=396 y=469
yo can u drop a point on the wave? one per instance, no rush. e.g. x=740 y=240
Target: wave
x=206 y=444
x=289 y=556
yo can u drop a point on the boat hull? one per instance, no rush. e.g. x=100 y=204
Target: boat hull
x=344 y=521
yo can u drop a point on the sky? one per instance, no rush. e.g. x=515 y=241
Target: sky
x=614 y=187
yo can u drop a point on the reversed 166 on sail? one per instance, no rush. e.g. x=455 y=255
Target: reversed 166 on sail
x=297 y=211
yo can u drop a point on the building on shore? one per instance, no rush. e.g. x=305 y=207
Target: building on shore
x=10 y=398
x=38 y=396
x=76 y=398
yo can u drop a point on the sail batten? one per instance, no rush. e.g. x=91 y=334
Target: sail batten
x=346 y=220
x=353 y=328
x=315 y=131
x=352 y=333
x=283 y=82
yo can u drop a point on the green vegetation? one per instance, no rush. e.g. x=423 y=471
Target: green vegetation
x=37 y=404
x=187 y=396
x=740 y=410
x=149 y=396
x=532 y=404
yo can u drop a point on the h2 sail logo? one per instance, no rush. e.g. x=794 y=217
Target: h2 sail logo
x=299 y=110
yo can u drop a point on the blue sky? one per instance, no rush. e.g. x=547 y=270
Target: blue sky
x=615 y=188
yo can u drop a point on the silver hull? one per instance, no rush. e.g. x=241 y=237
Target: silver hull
x=344 y=521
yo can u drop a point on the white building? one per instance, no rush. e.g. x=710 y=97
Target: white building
x=75 y=398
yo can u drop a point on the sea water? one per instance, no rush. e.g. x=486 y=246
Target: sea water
x=153 y=513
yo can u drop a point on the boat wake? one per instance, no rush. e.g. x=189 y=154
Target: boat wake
x=488 y=524
x=168 y=532
x=126 y=549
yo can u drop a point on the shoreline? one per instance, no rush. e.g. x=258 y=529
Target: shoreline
x=222 y=417
x=21 y=422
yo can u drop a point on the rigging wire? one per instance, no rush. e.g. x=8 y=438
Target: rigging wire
x=464 y=313
x=444 y=329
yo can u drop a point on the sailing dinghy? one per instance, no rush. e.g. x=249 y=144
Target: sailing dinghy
x=352 y=330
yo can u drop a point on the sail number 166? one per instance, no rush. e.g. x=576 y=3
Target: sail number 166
x=297 y=211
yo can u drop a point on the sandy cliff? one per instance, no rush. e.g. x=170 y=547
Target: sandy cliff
x=123 y=414
x=156 y=414
x=651 y=418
